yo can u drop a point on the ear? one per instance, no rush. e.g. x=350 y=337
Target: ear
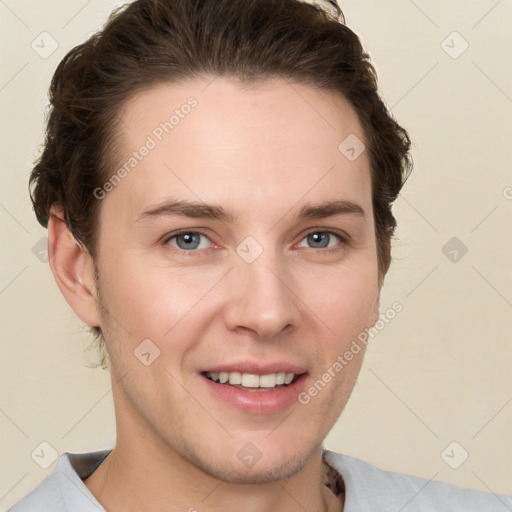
x=73 y=269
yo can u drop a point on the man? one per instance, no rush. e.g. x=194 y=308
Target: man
x=217 y=183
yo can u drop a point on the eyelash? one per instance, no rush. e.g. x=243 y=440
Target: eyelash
x=201 y=252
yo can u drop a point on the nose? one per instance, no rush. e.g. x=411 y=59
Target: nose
x=261 y=298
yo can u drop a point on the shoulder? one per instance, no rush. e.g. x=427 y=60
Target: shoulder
x=368 y=487
x=63 y=490
x=45 y=496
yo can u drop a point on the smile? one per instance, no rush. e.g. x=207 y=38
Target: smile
x=252 y=381
x=255 y=393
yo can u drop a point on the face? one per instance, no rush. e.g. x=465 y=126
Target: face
x=241 y=242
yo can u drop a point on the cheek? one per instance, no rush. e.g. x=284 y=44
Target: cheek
x=345 y=300
x=156 y=302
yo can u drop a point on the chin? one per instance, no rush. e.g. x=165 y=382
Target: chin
x=251 y=466
x=268 y=472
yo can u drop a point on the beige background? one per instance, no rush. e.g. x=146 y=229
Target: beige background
x=438 y=373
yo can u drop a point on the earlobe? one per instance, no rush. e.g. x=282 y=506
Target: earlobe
x=73 y=269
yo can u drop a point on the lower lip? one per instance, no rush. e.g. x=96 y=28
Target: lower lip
x=258 y=402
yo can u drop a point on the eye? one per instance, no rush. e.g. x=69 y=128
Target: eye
x=322 y=239
x=192 y=242
x=188 y=241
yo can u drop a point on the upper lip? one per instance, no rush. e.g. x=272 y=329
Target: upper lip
x=256 y=368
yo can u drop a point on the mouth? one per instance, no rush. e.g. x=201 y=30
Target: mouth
x=256 y=391
x=253 y=381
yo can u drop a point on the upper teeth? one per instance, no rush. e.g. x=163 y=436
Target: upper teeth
x=251 y=380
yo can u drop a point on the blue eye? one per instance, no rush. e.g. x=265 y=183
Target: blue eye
x=187 y=241
x=321 y=239
x=194 y=242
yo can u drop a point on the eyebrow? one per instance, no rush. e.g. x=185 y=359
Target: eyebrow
x=198 y=210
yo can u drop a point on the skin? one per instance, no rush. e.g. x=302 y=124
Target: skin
x=261 y=152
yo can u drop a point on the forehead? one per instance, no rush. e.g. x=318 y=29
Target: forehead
x=221 y=140
x=219 y=102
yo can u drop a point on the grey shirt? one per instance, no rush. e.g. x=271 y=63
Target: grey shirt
x=367 y=489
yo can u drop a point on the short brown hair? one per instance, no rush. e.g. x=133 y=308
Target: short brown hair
x=149 y=42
